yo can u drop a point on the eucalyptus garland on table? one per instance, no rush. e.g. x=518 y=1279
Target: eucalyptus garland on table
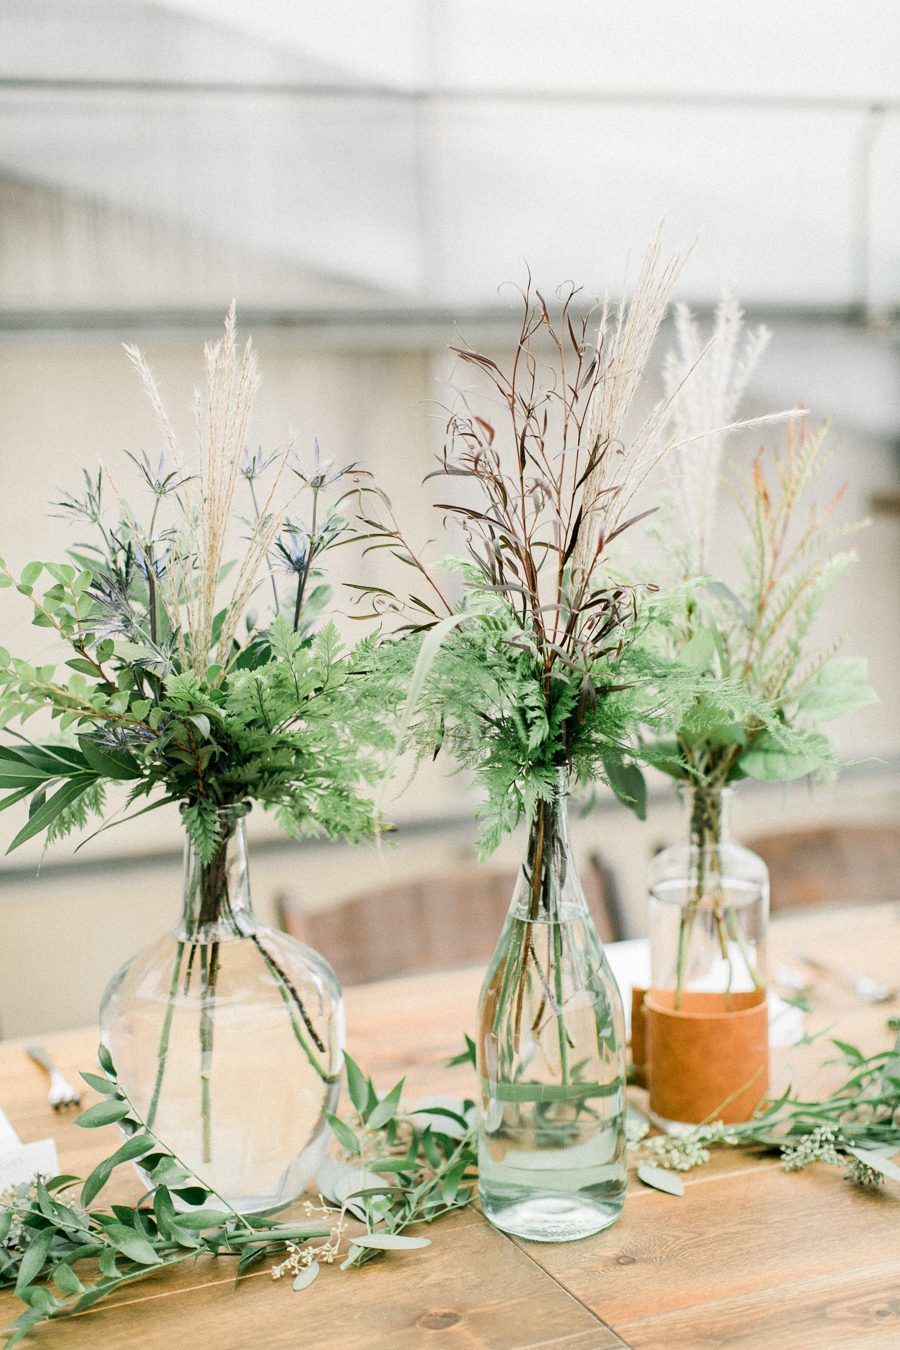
x=856 y=1127
x=177 y=685
x=399 y=1168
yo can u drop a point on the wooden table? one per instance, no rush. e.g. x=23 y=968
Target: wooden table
x=750 y=1257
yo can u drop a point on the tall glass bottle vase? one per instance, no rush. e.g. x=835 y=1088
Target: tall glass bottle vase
x=551 y=1038
x=706 y=1019
x=228 y=1037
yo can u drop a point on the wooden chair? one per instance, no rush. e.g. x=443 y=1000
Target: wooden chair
x=429 y=923
x=831 y=864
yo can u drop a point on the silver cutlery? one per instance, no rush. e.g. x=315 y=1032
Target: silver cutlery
x=793 y=980
x=869 y=990
x=62 y=1093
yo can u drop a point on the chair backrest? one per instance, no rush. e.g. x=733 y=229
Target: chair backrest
x=831 y=864
x=429 y=923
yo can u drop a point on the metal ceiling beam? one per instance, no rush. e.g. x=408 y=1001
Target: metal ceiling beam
x=459 y=94
x=406 y=328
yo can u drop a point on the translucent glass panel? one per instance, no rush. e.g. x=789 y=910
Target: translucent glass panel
x=770 y=194
x=315 y=189
x=177 y=153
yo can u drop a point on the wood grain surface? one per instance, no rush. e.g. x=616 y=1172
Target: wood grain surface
x=749 y=1258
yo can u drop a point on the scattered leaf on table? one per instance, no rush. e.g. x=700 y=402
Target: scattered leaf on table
x=390 y=1242
x=877 y=1161
x=660 y=1178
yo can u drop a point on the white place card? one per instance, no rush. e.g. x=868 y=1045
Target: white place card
x=8 y=1136
x=24 y=1161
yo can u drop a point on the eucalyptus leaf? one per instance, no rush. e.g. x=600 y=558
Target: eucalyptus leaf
x=839 y=688
x=65 y=1279
x=102 y=1113
x=342 y=1132
x=202 y=1218
x=306 y=1277
x=770 y=762
x=35 y=1257
x=390 y=1242
x=95 y=1182
x=660 y=1178
x=386 y=1108
x=877 y=1161
x=132 y=1245
x=698 y=652
x=357 y=1084
x=103 y=1085
x=23 y=1325
x=628 y=783
x=445 y=1114
x=337 y=1180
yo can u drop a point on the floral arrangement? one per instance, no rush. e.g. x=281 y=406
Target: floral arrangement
x=753 y=630
x=175 y=686
x=548 y=661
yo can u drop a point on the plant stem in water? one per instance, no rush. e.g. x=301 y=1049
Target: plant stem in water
x=291 y=1001
x=208 y=968
x=163 y=1049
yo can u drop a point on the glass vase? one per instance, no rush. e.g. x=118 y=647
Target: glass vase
x=551 y=1136
x=706 y=1019
x=228 y=1037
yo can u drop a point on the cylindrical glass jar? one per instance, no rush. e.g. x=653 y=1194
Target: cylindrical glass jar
x=228 y=1036
x=709 y=906
x=705 y=1026
x=551 y=1157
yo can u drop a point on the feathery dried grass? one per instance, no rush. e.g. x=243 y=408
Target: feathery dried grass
x=223 y=406
x=623 y=463
x=704 y=395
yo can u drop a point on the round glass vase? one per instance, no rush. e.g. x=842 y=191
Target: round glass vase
x=706 y=1019
x=551 y=1064
x=227 y=1036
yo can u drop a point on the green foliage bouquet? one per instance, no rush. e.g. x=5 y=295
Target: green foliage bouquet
x=754 y=629
x=550 y=660
x=173 y=685
x=540 y=673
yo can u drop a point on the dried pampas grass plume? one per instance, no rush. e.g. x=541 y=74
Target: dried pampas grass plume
x=223 y=405
x=622 y=463
x=704 y=396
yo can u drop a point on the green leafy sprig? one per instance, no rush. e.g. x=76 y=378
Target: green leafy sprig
x=173 y=685
x=543 y=665
x=399 y=1167
x=755 y=631
x=45 y=1233
x=856 y=1127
